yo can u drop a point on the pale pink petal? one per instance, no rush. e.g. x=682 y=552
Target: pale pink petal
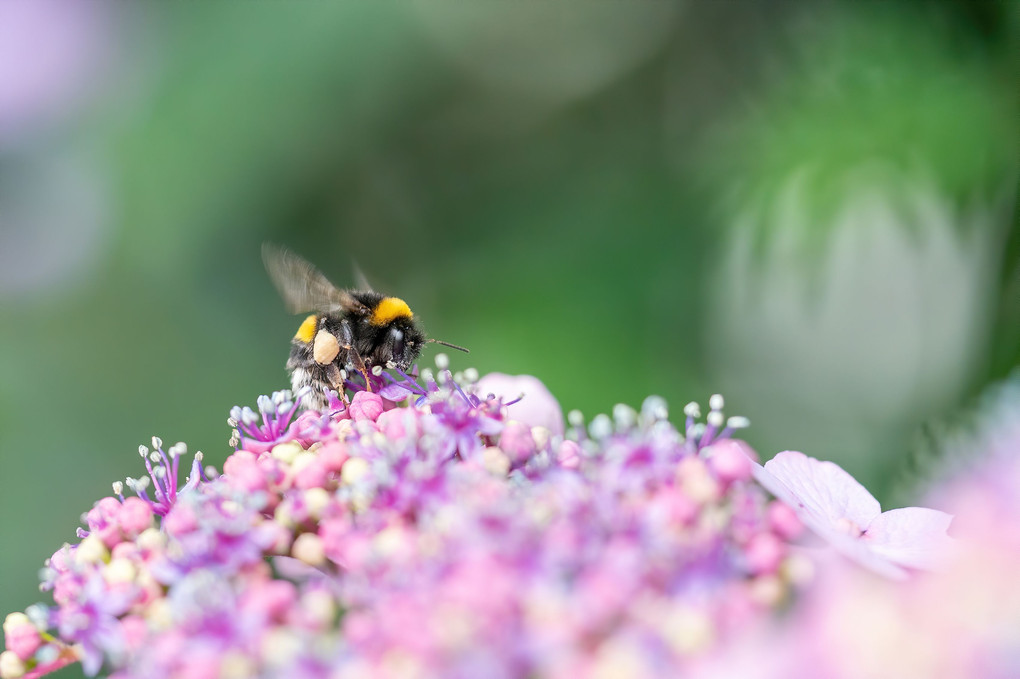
x=774 y=486
x=537 y=408
x=860 y=551
x=824 y=490
x=913 y=536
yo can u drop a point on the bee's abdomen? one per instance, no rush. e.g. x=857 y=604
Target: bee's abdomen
x=315 y=399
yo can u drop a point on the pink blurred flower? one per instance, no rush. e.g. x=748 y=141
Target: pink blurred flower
x=52 y=53
x=534 y=404
x=841 y=511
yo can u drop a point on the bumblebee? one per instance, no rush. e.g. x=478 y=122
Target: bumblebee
x=347 y=330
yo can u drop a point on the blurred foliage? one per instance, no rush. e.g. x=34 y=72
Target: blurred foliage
x=944 y=448
x=542 y=186
x=897 y=106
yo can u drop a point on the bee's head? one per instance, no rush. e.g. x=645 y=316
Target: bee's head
x=405 y=341
x=397 y=338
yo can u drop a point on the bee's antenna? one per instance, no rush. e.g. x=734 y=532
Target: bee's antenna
x=447 y=344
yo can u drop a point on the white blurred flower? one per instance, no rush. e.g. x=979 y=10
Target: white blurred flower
x=881 y=323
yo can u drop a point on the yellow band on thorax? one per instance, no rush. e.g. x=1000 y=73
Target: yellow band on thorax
x=307 y=330
x=388 y=309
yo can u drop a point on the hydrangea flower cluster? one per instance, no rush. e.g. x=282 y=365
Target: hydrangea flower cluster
x=426 y=526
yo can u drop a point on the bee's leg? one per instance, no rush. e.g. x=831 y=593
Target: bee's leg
x=336 y=380
x=352 y=353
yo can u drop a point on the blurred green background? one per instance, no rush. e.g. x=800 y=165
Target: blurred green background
x=809 y=207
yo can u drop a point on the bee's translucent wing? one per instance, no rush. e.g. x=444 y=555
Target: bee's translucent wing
x=303 y=287
x=360 y=279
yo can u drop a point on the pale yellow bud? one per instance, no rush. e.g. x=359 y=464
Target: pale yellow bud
x=286 y=452
x=316 y=499
x=119 y=571
x=495 y=461
x=308 y=548
x=11 y=666
x=354 y=469
x=91 y=550
x=15 y=620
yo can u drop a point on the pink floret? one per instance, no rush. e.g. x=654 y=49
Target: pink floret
x=731 y=460
x=366 y=405
x=23 y=640
x=134 y=516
